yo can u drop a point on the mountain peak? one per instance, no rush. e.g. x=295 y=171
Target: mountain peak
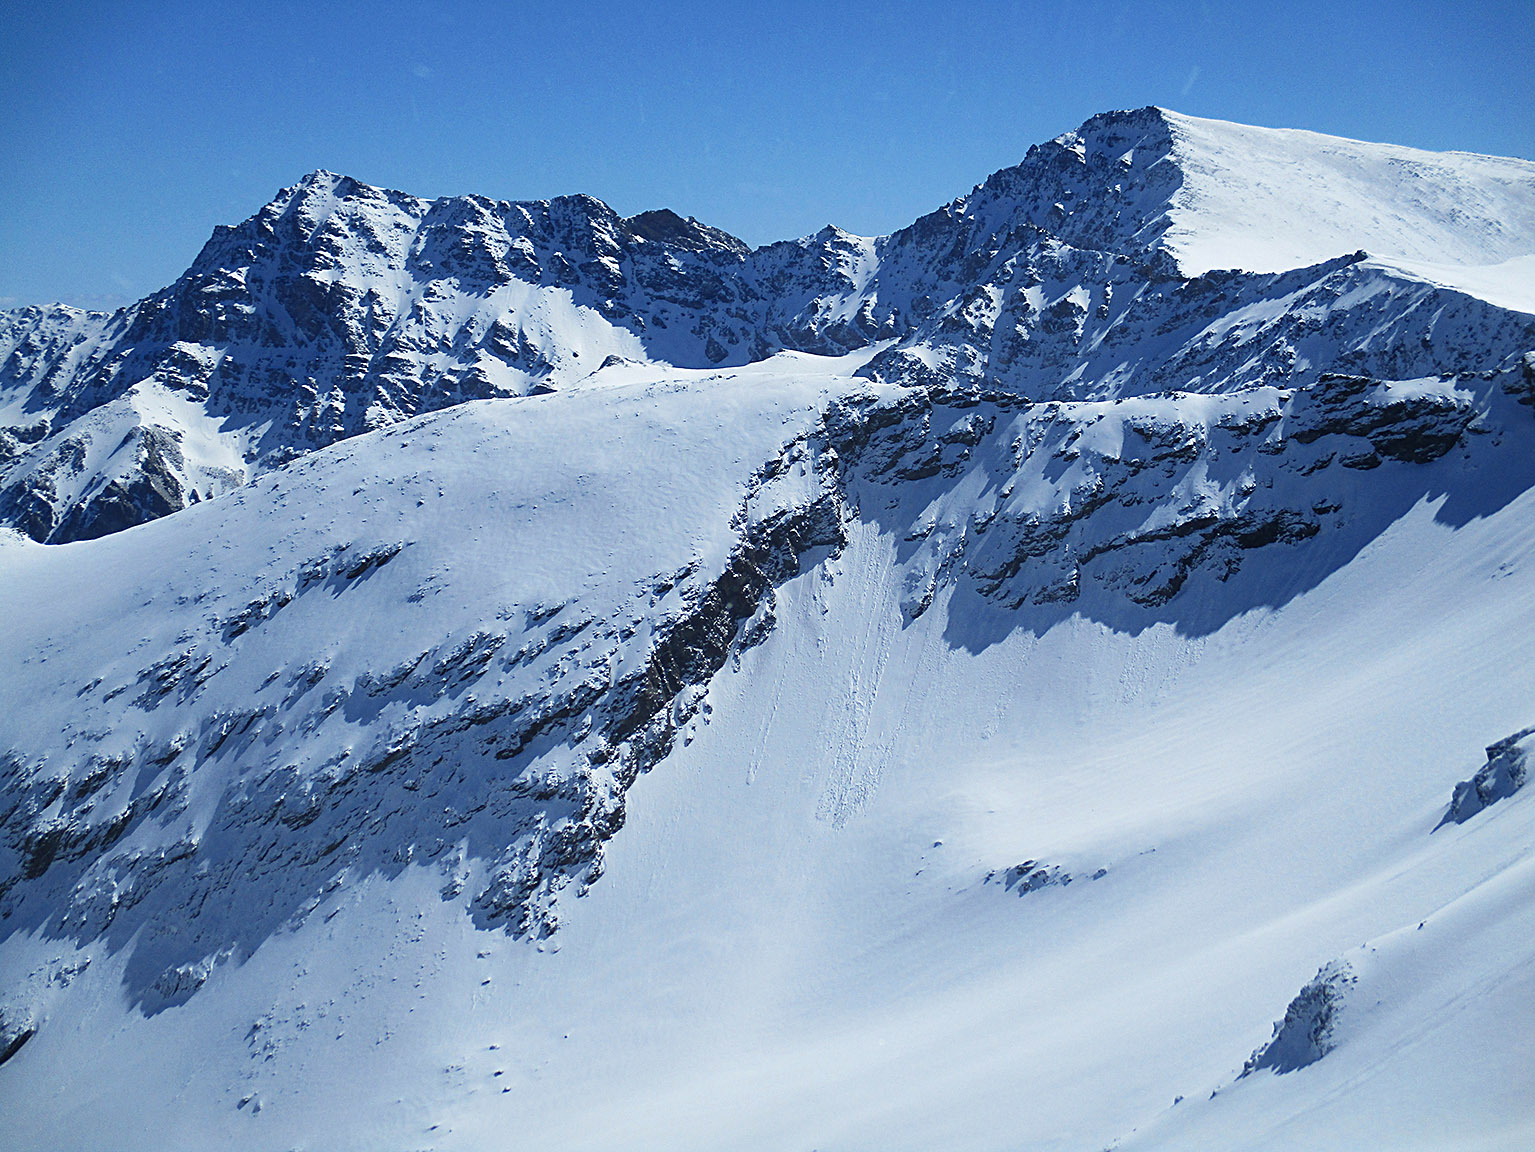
x=666 y=226
x=320 y=177
x=1216 y=194
x=938 y=581
x=340 y=307
x=1269 y=199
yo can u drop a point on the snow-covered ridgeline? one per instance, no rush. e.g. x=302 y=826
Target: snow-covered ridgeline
x=322 y=687
x=340 y=307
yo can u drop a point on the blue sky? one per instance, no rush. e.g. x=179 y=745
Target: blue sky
x=130 y=128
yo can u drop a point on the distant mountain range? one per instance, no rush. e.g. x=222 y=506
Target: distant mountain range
x=1143 y=252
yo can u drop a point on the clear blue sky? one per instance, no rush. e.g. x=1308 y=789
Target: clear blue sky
x=129 y=128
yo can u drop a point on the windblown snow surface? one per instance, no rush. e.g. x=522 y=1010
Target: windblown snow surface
x=794 y=755
x=1267 y=199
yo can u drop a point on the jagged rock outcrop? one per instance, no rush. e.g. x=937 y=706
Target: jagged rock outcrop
x=1305 y=1034
x=340 y=308
x=1113 y=506
x=1034 y=876
x=1504 y=774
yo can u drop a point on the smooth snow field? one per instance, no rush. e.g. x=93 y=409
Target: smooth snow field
x=1267 y=199
x=806 y=936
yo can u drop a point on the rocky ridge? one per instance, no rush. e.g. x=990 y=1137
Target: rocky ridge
x=340 y=308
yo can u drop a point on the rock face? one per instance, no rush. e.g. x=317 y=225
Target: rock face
x=14 y=1034
x=340 y=308
x=1305 y=1034
x=1089 y=505
x=1504 y=774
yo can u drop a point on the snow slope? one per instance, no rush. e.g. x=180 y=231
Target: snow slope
x=913 y=871
x=1509 y=284
x=1268 y=199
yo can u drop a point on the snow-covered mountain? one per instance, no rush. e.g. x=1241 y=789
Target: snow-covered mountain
x=1057 y=676
x=1088 y=271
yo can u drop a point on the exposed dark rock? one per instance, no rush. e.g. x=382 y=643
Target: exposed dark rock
x=1503 y=775
x=13 y=1034
x=1046 y=281
x=1032 y=876
x=1093 y=494
x=1305 y=1034
x=666 y=227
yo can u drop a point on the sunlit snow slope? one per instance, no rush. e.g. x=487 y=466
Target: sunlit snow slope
x=1267 y=199
x=1092 y=715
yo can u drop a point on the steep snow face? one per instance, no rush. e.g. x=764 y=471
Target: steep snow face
x=1218 y=195
x=1268 y=199
x=766 y=756
x=1509 y=284
x=492 y=621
